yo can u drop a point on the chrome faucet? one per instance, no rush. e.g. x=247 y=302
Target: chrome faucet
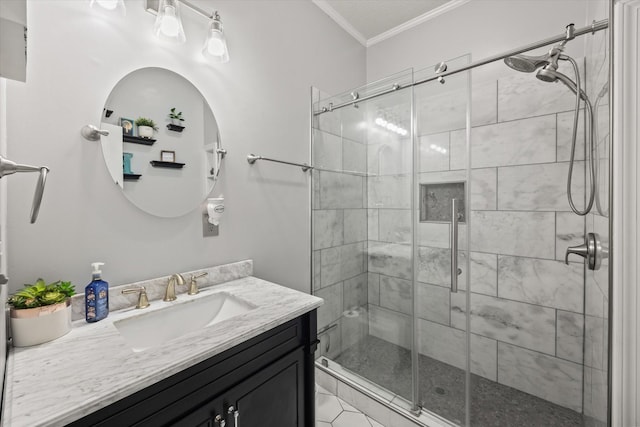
x=170 y=293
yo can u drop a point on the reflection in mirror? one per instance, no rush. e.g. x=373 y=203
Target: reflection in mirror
x=138 y=159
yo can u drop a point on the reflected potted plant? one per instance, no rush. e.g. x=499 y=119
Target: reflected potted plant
x=146 y=127
x=176 y=120
x=40 y=312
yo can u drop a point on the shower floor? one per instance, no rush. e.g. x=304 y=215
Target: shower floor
x=442 y=389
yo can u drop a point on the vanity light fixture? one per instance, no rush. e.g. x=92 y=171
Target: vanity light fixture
x=168 y=26
x=391 y=126
x=215 y=46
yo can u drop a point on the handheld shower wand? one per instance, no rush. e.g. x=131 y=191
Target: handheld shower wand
x=7 y=167
x=547 y=66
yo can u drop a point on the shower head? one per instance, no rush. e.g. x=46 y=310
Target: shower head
x=549 y=75
x=526 y=63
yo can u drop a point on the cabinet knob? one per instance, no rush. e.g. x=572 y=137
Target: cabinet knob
x=219 y=421
x=236 y=414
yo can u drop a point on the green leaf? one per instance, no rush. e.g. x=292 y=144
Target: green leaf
x=40 y=294
x=143 y=121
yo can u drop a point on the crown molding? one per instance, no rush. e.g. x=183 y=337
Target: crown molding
x=326 y=8
x=342 y=22
x=416 y=21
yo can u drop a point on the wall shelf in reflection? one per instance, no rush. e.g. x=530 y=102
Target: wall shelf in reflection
x=131 y=176
x=175 y=128
x=160 y=164
x=138 y=140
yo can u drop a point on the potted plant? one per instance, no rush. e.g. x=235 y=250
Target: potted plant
x=145 y=127
x=40 y=312
x=176 y=118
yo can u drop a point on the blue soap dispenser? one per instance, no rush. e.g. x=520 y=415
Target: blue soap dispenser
x=96 y=296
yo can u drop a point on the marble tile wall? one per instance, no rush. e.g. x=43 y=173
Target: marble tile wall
x=527 y=308
x=339 y=224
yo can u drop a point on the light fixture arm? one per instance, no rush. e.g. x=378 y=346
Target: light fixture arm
x=168 y=27
x=198 y=10
x=152 y=7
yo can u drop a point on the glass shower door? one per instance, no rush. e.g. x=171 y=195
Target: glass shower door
x=442 y=193
x=362 y=238
x=386 y=172
x=530 y=319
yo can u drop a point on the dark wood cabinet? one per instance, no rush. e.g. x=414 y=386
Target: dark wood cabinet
x=266 y=381
x=272 y=397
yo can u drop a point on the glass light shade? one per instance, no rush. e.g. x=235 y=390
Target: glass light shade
x=215 y=46
x=168 y=25
x=110 y=5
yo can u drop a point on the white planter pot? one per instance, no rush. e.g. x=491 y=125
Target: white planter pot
x=32 y=326
x=145 y=131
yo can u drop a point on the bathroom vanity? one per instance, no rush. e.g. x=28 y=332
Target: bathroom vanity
x=254 y=368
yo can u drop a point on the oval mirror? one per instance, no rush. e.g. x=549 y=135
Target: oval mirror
x=169 y=168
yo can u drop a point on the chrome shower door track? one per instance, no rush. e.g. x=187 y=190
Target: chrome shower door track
x=594 y=27
x=409 y=415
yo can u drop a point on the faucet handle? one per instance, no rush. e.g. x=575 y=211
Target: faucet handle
x=193 y=284
x=143 y=300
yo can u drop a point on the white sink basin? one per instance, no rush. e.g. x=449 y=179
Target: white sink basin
x=155 y=328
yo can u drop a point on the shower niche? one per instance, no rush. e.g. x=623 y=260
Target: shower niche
x=435 y=201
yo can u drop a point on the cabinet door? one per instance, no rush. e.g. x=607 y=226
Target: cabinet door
x=272 y=397
x=207 y=415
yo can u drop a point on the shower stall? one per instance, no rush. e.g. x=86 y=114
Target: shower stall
x=440 y=226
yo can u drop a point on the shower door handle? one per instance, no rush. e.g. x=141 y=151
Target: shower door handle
x=455 y=271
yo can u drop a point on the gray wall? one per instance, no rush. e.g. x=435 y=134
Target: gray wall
x=261 y=101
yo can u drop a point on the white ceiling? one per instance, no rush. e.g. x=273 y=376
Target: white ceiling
x=371 y=21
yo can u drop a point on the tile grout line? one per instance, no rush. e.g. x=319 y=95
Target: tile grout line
x=497 y=362
x=497 y=101
x=555 y=342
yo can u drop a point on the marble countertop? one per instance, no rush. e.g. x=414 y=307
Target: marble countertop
x=55 y=383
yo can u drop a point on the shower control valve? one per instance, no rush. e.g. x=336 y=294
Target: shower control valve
x=591 y=250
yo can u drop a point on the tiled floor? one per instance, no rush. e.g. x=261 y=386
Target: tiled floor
x=442 y=389
x=332 y=411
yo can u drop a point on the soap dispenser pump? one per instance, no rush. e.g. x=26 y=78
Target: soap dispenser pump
x=96 y=296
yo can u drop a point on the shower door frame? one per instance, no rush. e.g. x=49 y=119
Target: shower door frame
x=624 y=369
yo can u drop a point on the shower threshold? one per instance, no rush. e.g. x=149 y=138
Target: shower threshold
x=395 y=405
